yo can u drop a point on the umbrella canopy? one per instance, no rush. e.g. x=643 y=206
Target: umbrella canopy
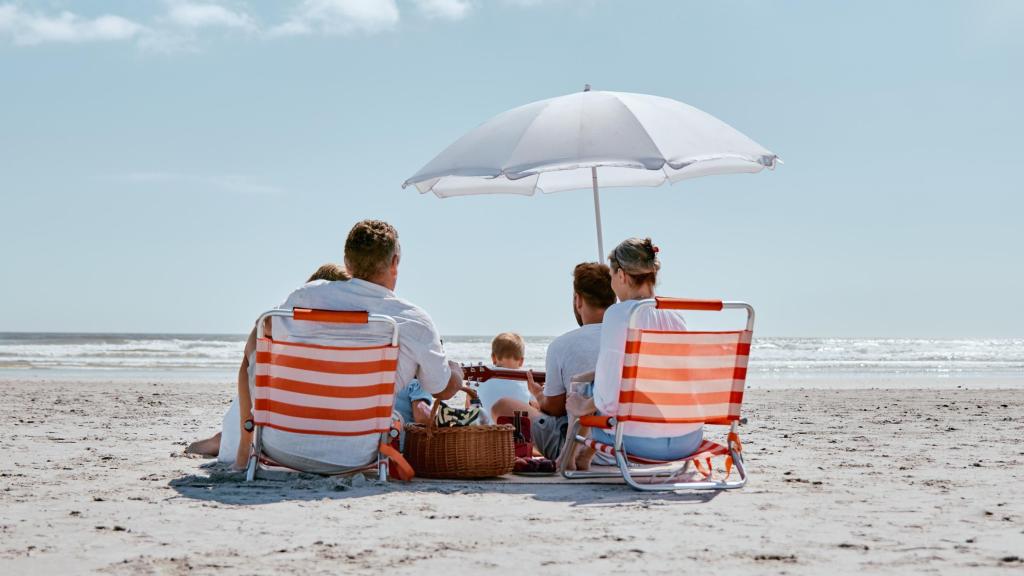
x=559 y=143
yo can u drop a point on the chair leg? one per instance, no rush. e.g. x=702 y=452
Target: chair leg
x=620 y=459
x=254 y=455
x=250 y=471
x=629 y=475
x=568 y=447
x=382 y=460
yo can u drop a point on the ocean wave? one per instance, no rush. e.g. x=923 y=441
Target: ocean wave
x=769 y=356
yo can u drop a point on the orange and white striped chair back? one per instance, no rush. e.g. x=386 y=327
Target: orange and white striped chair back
x=305 y=388
x=674 y=377
x=326 y=390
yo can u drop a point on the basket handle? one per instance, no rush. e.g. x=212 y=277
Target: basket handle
x=432 y=425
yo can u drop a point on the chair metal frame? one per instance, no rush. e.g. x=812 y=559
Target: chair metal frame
x=379 y=461
x=628 y=470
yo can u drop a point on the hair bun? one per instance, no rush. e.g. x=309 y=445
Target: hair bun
x=648 y=245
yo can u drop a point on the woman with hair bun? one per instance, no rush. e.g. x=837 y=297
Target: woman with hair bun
x=634 y=266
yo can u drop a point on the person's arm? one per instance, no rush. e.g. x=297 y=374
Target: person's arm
x=244 y=403
x=551 y=405
x=551 y=397
x=579 y=405
x=608 y=373
x=454 y=382
x=421 y=412
x=436 y=374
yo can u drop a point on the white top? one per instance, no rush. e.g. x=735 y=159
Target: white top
x=497 y=388
x=572 y=353
x=420 y=356
x=608 y=375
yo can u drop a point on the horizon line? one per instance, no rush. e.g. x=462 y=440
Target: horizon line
x=488 y=335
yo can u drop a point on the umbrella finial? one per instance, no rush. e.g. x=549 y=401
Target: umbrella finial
x=586 y=87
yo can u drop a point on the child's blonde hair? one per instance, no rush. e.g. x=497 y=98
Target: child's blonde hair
x=331 y=272
x=508 y=345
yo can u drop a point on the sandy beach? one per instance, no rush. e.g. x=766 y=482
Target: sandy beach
x=93 y=480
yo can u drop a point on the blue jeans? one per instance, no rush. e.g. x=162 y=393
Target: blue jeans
x=406 y=396
x=652 y=448
x=663 y=448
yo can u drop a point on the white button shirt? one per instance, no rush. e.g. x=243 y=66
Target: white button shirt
x=420 y=356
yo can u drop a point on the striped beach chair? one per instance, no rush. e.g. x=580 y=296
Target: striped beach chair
x=313 y=389
x=672 y=377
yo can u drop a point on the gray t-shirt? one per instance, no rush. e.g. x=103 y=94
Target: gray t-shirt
x=572 y=353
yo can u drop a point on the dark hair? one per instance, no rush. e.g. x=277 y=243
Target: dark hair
x=638 y=259
x=369 y=248
x=331 y=272
x=593 y=282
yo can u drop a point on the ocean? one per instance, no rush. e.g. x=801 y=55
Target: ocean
x=774 y=362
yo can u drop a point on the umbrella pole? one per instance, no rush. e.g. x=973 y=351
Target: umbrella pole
x=597 y=215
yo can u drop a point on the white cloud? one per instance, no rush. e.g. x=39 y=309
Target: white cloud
x=205 y=15
x=339 y=17
x=185 y=23
x=7 y=15
x=447 y=9
x=30 y=28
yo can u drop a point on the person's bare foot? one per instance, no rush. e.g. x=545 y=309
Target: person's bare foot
x=584 y=455
x=208 y=447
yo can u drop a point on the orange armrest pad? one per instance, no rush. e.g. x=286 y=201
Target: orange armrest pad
x=594 y=421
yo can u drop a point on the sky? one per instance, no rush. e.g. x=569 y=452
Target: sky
x=181 y=166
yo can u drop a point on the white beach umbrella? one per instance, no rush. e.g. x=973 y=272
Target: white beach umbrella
x=560 y=143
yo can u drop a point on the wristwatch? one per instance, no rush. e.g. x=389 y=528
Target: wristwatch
x=249 y=426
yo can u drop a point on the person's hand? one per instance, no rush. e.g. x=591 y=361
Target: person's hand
x=535 y=389
x=579 y=405
x=471 y=394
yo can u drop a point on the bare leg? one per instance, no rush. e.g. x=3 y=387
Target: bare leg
x=208 y=447
x=584 y=454
x=581 y=455
x=421 y=412
x=508 y=407
x=244 y=405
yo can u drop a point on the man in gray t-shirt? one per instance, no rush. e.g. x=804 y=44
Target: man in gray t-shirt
x=572 y=353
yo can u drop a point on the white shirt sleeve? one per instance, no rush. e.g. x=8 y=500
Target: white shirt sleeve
x=553 y=384
x=608 y=375
x=432 y=371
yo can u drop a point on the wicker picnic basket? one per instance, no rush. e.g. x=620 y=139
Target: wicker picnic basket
x=459 y=452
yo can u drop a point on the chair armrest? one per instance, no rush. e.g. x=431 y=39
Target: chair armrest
x=595 y=421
